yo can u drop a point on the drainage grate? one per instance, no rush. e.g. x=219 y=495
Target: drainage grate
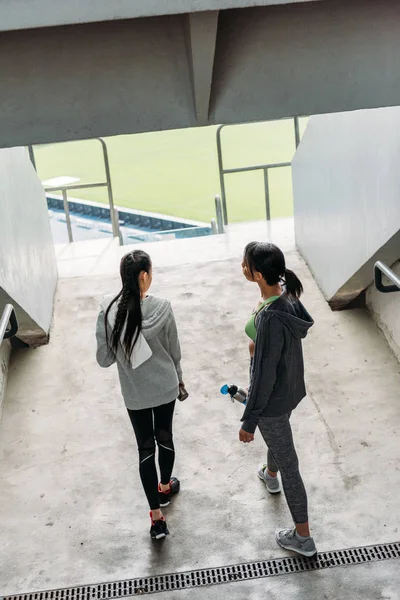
x=203 y=577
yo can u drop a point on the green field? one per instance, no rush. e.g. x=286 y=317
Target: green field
x=176 y=172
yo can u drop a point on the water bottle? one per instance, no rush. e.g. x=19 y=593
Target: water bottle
x=235 y=392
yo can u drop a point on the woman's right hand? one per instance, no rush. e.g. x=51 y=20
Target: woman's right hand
x=183 y=393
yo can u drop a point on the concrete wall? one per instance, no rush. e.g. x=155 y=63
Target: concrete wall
x=106 y=78
x=23 y=14
x=74 y=82
x=385 y=309
x=306 y=59
x=346 y=185
x=28 y=273
x=5 y=351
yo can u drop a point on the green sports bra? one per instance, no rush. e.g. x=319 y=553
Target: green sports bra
x=250 y=329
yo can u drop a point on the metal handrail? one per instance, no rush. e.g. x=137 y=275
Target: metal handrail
x=219 y=214
x=265 y=168
x=80 y=186
x=382 y=269
x=8 y=323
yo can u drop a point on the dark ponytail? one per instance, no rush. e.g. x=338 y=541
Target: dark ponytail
x=294 y=287
x=129 y=311
x=269 y=260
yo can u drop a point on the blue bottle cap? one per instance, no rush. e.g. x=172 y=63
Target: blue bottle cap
x=225 y=389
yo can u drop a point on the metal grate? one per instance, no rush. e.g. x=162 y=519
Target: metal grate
x=215 y=576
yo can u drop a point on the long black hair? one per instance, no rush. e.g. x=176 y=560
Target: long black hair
x=129 y=311
x=269 y=260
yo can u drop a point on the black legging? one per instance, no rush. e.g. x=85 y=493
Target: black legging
x=282 y=457
x=152 y=424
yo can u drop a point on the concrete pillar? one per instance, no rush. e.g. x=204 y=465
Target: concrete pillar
x=28 y=272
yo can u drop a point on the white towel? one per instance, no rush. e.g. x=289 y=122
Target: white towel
x=141 y=351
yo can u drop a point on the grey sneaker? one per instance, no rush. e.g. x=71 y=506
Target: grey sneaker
x=273 y=484
x=288 y=539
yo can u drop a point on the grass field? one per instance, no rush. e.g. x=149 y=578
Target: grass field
x=176 y=172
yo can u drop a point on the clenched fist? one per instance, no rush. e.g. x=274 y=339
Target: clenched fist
x=246 y=437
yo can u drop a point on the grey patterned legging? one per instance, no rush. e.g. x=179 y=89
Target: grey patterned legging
x=277 y=434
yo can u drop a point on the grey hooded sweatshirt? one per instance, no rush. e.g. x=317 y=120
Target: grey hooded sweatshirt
x=277 y=378
x=156 y=381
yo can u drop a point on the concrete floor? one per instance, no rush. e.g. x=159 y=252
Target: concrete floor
x=71 y=506
x=101 y=257
x=379 y=582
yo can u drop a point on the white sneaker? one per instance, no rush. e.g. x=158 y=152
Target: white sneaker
x=273 y=484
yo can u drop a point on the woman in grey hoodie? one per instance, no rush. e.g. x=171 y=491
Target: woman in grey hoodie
x=138 y=332
x=276 y=329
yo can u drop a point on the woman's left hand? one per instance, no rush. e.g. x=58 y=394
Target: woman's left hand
x=246 y=437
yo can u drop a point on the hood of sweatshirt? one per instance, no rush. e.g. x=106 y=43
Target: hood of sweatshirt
x=292 y=314
x=155 y=313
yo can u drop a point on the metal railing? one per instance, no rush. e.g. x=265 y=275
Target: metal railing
x=382 y=269
x=107 y=183
x=8 y=323
x=220 y=208
x=265 y=168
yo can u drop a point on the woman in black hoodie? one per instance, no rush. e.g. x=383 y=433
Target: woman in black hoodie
x=276 y=329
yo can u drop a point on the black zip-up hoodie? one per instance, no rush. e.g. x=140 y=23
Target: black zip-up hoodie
x=277 y=377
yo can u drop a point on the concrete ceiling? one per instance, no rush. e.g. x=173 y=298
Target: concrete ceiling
x=199 y=68
x=30 y=14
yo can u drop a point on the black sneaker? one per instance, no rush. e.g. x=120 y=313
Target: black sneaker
x=165 y=497
x=158 y=529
